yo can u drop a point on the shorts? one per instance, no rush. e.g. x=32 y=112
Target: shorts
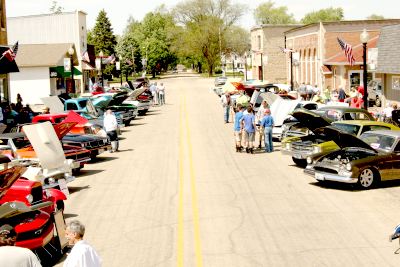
x=238 y=136
x=249 y=137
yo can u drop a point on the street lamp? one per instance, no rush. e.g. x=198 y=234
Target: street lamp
x=119 y=67
x=364 y=38
x=101 y=55
x=71 y=52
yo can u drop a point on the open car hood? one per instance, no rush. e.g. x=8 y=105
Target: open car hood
x=8 y=177
x=63 y=128
x=53 y=103
x=46 y=144
x=74 y=117
x=309 y=119
x=136 y=93
x=118 y=98
x=11 y=209
x=342 y=139
x=280 y=108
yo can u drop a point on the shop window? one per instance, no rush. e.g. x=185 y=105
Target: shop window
x=396 y=82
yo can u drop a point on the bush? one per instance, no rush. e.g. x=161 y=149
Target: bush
x=218 y=71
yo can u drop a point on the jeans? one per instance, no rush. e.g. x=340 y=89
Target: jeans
x=162 y=99
x=226 y=113
x=269 y=147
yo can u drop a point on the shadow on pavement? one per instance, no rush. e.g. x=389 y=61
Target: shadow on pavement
x=355 y=187
x=73 y=189
x=105 y=159
x=124 y=150
x=136 y=124
x=70 y=215
x=84 y=173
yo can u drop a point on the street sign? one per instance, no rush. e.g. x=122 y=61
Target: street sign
x=67 y=64
x=118 y=65
x=98 y=63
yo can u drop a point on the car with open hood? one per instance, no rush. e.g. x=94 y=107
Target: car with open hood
x=18 y=146
x=36 y=229
x=313 y=145
x=366 y=161
x=141 y=98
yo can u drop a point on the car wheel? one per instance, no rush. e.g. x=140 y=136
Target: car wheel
x=127 y=123
x=60 y=205
x=378 y=102
x=300 y=162
x=367 y=178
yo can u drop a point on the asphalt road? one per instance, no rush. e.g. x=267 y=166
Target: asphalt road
x=179 y=195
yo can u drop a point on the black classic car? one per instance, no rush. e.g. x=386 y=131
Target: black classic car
x=365 y=161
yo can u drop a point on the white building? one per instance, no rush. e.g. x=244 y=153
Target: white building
x=61 y=30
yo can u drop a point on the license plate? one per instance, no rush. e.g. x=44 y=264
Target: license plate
x=297 y=156
x=319 y=176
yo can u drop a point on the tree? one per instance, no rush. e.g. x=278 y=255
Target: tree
x=205 y=23
x=375 y=17
x=55 y=8
x=266 y=13
x=327 y=14
x=103 y=38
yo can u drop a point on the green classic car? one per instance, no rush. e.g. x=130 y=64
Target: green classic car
x=315 y=145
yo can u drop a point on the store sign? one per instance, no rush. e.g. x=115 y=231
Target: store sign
x=53 y=74
x=118 y=65
x=67 y=64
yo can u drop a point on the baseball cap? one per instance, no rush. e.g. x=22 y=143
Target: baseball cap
x=7 y=230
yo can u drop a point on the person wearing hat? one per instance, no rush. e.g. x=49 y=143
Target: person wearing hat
x=267 y=123
x=226 y=104
x=12 y=256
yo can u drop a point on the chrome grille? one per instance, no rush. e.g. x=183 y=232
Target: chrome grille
x=302 y=146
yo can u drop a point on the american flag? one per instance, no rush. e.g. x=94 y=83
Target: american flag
x=85 y=56
x=348 y=51
x=11 y=53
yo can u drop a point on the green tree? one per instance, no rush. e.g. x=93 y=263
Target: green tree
x=327 y=14
x=103 y=38
x=55 y=8
x=205 y=23
x=267 y=13
x=375 y=17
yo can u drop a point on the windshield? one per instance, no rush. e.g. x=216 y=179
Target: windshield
x=378 y=141
x=348 y=128
x=19 y=142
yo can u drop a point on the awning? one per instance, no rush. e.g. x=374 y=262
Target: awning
x=325 y=70
x=58 y=72
x=7 y=66
x=87 y=66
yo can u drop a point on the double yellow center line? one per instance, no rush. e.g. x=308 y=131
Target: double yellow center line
x=184 y=125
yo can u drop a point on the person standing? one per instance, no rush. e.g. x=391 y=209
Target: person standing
x=259 y=117
x=342 y=95
x=161 y=94
x=267 y=123
x=12 y=256
x=111 y=125
x=249 y=126
x=226 y=104
x=237 y=127
x=82 y=254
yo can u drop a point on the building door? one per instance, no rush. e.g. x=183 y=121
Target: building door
x=355 y=78
x=260 y=74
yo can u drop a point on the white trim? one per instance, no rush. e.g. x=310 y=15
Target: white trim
x=302 y=35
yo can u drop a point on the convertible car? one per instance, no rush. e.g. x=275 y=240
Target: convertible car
x=365 y=161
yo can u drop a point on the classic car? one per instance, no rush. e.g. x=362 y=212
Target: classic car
x=141 y=98
x=291 y=127
x=313 y=145
x=36 y=229
x=365 y=161
x=17 y=146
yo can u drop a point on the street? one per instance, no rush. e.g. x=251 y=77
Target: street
x=177 y=194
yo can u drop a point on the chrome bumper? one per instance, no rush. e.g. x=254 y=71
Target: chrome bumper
x=68 y=179
x=324 y=176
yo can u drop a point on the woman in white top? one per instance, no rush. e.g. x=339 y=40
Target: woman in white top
x=111 y=125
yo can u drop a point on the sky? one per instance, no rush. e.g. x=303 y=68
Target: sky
x=119 y=11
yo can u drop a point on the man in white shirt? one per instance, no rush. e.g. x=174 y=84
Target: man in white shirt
x=110 y=126
x=12 y=256
x=82 y=254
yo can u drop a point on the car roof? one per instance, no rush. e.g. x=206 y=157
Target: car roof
x=392 y=133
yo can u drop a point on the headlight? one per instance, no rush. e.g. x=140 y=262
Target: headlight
x=316 y=150
x=309 y=160
x=288 y=146
x=52 y=180
x=29 y=198
x=348 y=166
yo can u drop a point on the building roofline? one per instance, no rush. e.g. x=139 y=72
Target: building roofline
x=260 y=26
x=364 y=21
x=49 y=14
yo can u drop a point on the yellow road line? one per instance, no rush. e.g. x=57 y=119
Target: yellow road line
x=196 y=224
x=180 y=231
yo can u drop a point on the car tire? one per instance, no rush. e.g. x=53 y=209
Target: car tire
x=378 y=102
x=60 y=205
x=367 y=178
x=300 y=162
x=127 y=123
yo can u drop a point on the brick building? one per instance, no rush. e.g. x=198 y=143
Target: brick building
x=389 y=62
x=318 y=58
x=267 y=60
